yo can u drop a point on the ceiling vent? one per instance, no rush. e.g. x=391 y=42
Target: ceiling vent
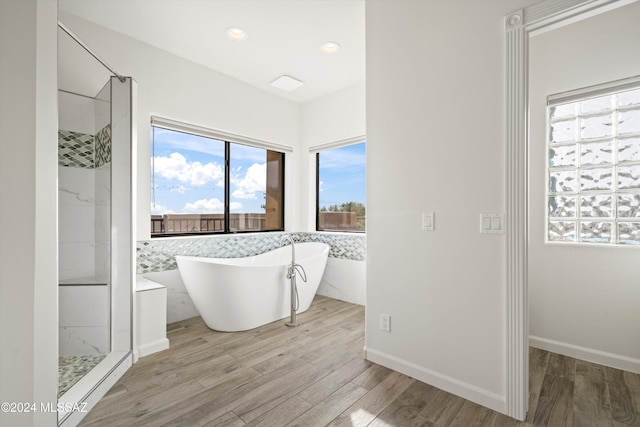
x=286 y=83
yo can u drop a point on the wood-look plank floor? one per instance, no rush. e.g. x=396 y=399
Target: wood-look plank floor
x=315 y=375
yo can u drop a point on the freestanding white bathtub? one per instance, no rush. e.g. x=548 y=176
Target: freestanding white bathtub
x=237 y=294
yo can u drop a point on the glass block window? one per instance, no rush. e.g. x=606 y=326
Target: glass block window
x=593 y=191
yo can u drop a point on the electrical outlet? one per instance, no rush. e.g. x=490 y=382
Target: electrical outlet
x=385 y=322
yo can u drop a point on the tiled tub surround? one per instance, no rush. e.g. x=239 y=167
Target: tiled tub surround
x=344 y=276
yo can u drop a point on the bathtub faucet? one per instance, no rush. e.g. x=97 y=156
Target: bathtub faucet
x=284 y=239
x=292 y=270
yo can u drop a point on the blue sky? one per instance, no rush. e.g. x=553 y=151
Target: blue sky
x=188 y=175
x=342 y=175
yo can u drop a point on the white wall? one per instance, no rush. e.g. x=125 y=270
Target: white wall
x=28 y=189
x=435 y=90
x=178 y=89
x=584 y=299
x=335 y=117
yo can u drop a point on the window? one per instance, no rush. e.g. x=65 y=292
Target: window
x=203 y=185
x=340 y=183
x=594 y=166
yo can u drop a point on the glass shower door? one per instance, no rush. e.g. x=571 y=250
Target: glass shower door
x=84 y=210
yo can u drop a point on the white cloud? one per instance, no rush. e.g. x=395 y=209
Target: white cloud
x=255 y=180
x=176 y=167
x=235 y=206
x=205 y=206
x=159 y=210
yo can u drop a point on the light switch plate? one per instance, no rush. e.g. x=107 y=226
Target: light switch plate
x=492 y=223
x=428 y=221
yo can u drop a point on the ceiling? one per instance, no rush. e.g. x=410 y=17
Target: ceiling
x=284 y=37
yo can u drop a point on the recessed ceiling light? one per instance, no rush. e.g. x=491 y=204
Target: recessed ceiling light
x=286 y=83
x=330 y=47
x=235 y=33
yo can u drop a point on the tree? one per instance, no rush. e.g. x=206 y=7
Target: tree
x=356 y=207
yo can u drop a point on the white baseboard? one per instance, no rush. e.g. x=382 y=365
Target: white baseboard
x=467 y=391
x=152 y=347
x=590 y=355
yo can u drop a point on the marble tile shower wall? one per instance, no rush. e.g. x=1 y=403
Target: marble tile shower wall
x=84 y=199
x=159 y=255
x=84 y=203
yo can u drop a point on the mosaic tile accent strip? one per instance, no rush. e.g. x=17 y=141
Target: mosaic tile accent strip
x=72 y=368
x=75 y=149
x=103 y=146
x=343 y=246
x=80 y=150
x=159 y=255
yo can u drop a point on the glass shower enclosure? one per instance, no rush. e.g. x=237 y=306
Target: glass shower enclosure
x=95 y=211
x=84 y=221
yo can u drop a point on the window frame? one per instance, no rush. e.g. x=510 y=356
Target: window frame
x=318 y=150
x=227 y=139
x=614 y=192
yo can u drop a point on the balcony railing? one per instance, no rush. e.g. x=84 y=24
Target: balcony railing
x=170 y=224
x=205 y=223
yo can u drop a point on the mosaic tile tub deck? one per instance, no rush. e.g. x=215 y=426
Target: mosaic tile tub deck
x=159 y=255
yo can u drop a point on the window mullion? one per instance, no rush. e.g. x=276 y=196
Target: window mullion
x=227 y=186
x=318 y=191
